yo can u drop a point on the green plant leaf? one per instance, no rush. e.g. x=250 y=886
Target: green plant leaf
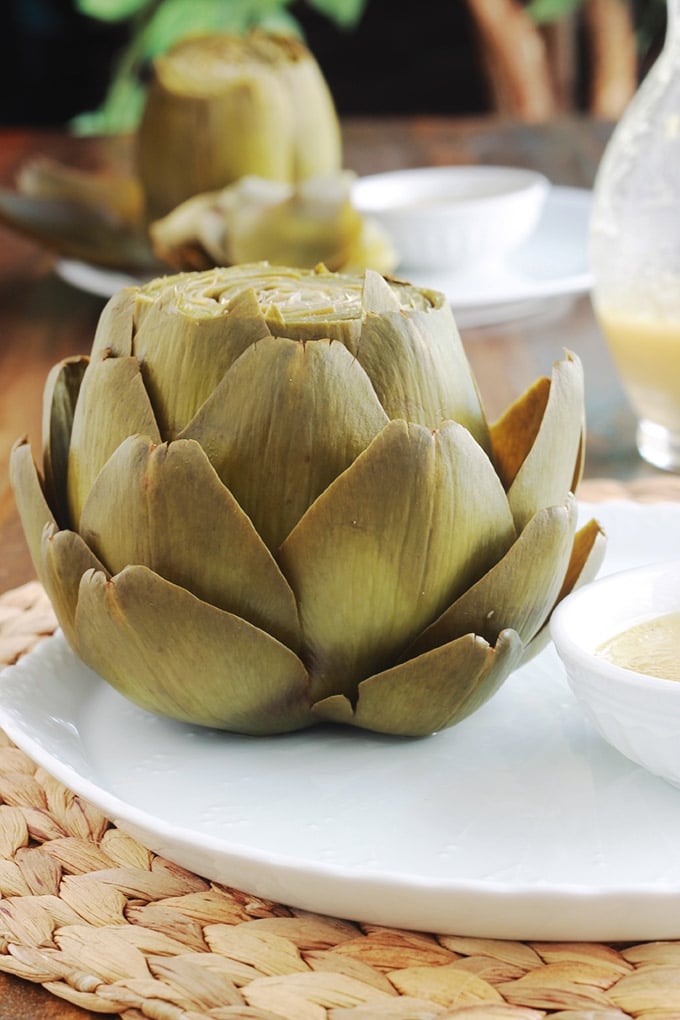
x=345 y=13
x=111 y=10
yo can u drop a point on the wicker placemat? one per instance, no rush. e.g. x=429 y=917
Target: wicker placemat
x=103 y=923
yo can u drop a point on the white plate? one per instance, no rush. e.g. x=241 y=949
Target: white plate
x=552 y=264
x=519 y=823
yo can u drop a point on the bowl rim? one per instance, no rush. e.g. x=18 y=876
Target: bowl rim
x=570 y=648
x=529 y=181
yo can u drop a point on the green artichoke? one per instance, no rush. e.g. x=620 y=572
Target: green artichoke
x=221 y=107
x=270 y=498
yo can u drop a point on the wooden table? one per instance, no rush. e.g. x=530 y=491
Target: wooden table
x=43 y=319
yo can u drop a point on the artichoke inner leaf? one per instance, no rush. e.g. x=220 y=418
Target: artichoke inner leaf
x=186 y=343
x=315 y=413
x=116 y=326
x=419 y=369
x=112 y=405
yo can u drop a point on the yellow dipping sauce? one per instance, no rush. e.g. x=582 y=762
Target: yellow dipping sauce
x=651 y=647
x=646 y=351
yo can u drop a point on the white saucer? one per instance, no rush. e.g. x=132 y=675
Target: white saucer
x=519 y=823
x=552 y=264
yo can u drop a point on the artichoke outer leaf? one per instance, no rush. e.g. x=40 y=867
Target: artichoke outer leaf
x=587 y=555
x=116 y=326
x=34 y=510
x=548 y=453
x=176 y=656
x=65 y=558
x=59 y=557
x=316 y=412
x=518 y=592
x=174 y=515
x=515 y=432
x=59 y=401
x=416 y=362
x=389 y=545
x=429 y=693
x=112 y=405
x=186 y=341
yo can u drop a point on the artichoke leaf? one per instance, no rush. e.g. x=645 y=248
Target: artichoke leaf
x=65 y=558
x=34 y=510
x=115 y=196
x=587 y=555
x=177 y=656
x=429 y=693
x=537 y=443
x=316 y=412
x=59 y=402
x=419 y=369
x=389 y=545
x=377 y=296
x=174 y=515
x=59 y=557
x=78 y=231
x=186 y=341
x=112 y=405
x=518 y=592
x=116 y=326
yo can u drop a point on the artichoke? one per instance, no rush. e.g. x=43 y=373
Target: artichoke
x=288 y=224
x=271 y=498
x=222 y=107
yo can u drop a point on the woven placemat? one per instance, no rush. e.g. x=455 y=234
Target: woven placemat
x=107 y=925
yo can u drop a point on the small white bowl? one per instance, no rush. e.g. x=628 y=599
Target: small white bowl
x=637 y=714
x=449 y=217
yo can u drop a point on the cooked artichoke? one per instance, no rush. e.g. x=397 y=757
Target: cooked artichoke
x=222 y=107
x=271 y=498
x=257 y=220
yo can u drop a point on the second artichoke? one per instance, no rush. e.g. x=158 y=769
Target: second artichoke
x=222 y=107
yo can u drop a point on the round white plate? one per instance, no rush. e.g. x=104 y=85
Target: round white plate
x=518 y=823
x=552 y=264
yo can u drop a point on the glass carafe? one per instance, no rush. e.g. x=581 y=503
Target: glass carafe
x=635 y=252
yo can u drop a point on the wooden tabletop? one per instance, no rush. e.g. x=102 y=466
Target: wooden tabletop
x=43 y=319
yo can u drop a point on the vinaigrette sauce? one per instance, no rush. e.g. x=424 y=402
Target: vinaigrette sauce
x=646 y=351
x=651 y=647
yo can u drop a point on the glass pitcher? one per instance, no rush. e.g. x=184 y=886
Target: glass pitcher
x=635 y=252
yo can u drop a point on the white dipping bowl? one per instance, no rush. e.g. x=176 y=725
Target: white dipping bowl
x=637 y=714
x=449 y=217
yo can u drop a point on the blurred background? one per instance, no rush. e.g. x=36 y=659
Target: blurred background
x=87 y=59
